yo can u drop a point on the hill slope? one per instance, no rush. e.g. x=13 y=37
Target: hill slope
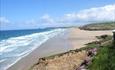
x=99 y=26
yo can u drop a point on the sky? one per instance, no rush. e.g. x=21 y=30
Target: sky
x=32 y=14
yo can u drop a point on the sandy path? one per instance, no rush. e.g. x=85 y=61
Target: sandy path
x=78 y=38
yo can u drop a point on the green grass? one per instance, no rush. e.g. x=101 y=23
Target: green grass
x=99 y=26
x=105 y=59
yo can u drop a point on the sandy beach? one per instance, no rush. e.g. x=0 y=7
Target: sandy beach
x=74 y=38
x=78 y=38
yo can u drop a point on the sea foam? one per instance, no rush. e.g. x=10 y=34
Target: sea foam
x=14 y=48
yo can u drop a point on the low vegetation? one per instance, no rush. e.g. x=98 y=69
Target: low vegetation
x=105 y=59
x=99 y=26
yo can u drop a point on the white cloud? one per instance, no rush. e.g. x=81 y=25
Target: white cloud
x=4 y=23
x=4 y=20
x=106 y=13
x=46 y=19
x=30 y=21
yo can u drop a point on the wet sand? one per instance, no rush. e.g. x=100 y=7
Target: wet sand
x=55 y=45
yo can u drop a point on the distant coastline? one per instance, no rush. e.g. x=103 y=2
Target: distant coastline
x=99 y=26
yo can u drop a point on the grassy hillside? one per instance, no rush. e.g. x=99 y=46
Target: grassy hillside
x=99 y=26
x=105 y=59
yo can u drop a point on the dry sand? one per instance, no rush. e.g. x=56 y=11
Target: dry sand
x=78 y=38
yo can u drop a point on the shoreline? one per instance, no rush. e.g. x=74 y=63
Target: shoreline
x=52 y=46
x=71 y=39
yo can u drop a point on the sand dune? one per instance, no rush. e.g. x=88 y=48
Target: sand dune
x=68 y=61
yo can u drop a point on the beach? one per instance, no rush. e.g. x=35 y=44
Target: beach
x=55 y=45
x=79 y=38
x=71 y=39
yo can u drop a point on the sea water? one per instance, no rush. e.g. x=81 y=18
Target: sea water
x=16 y=44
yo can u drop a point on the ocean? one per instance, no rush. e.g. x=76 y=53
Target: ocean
x=15 y=44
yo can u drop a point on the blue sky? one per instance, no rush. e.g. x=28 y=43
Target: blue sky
x=27 y=14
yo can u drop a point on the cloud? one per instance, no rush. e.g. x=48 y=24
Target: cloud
x=46 y=19
x=5 y=23
x=4 y=20
x=106 y=13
